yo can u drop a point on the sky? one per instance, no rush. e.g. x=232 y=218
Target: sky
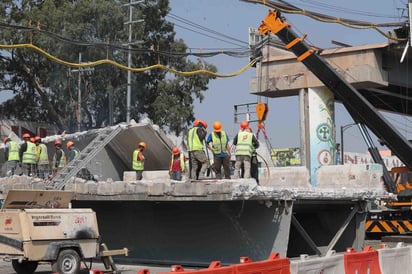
x=234 y=17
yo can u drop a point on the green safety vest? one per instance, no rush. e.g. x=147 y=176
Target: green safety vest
x=29 y=156
x=219 y=144
x=244 y=144
x=14 y=151
x=62 y=160
x=194 y=140
x=182 y=162
x=137 y=165
x=44 y=156
x=76 y=153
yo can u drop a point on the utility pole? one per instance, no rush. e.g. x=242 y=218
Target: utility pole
x=79 y=97
x=80 y=70
x=131 y=5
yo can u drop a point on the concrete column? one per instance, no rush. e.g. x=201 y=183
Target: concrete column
x=321 y=111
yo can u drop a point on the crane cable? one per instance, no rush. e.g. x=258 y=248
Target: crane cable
x=123 y=67
x=330 y=19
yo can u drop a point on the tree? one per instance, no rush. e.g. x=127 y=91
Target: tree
x=47 y=91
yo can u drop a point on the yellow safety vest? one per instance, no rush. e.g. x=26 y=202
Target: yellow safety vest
x=244 y=143
x=194 y=140
x=29 y=156
x=14 y=151
x=44 y=156
x=137 y=165
x=62 y=160
x=182 y=162
x=219 y=144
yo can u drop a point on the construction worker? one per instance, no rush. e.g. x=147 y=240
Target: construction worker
x=138 y=160
x=177 y=164
x=197 y=155
x=218 y=143
x=59 y=157
x=245 y=142
x=27 y=155
x=11 y=154
x=73 y=151
x=42 y=159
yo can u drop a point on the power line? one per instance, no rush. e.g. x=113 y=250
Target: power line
x=205 y=29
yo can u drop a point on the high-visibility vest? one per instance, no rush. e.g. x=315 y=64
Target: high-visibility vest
x=29 y=156
x=62 y=162
x=14 y=151
x=244 y=143
x=182 y=162
x=219 y=144
x=76 y=153
x=193 y=140
x=44 y=156
x=137 y=165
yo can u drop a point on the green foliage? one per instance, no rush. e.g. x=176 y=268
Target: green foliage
x=47 y=91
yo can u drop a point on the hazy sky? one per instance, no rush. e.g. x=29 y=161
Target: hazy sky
x=234 y=17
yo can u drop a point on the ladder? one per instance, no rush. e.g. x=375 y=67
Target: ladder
x=84 y=157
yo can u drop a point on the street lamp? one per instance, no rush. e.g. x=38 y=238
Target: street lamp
x=342 y=129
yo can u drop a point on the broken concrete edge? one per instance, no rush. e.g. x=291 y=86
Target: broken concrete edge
x=225 y=189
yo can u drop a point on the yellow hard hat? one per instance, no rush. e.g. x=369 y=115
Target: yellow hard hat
x=142 y=144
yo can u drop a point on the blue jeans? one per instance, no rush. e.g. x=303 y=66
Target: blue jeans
x=176 y=175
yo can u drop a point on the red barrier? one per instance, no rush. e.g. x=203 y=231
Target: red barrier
x=273 y=265
x=215 y=267
x=366 y=261
x=144 y=271
x=95 y=271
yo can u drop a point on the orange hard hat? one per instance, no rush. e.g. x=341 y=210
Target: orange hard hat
x=58 y=142
x=37 y=138
x=6 y=139
x=217 y=126
x=204 y=123
x=26 y=135
x=175 y=150
x=69 y=144
x=142 y=144
x=244 y=125
x=32 y=139
x=196 y=122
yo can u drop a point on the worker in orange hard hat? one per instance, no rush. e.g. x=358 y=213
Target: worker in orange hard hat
x=197 y=156
x=138 y=160
x=11 y=154
x=73 y=151
x=177 y=164
x=245 y=142
x=218 y=143
x=42 y=159
x=59 y=158
x=27 y=155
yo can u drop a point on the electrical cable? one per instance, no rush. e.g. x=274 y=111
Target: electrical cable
x=123 y=67
x=330 y=19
